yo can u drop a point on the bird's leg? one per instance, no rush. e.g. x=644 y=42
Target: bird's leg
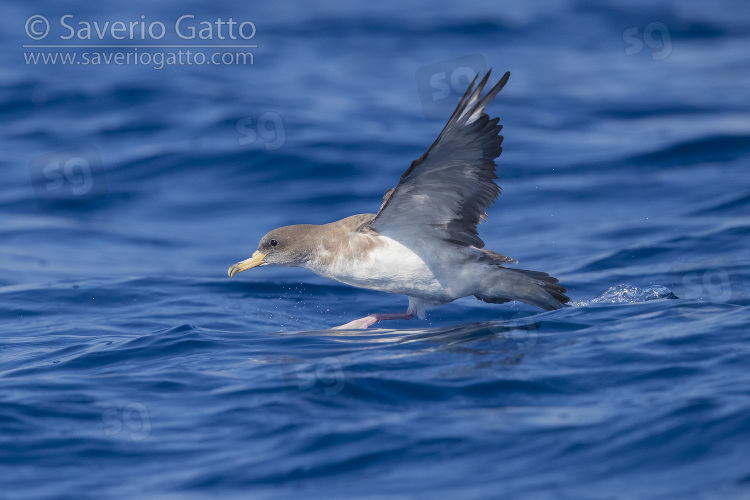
x=363 y=323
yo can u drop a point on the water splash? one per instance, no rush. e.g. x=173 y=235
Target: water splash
x=628 y=293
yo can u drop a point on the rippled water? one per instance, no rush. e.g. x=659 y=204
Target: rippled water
x=131 y=366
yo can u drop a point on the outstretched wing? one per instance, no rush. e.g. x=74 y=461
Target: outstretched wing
x=447 y=190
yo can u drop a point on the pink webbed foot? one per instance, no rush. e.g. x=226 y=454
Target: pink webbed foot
x=363 y=323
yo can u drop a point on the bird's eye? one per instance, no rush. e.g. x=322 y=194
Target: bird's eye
x=273 y=243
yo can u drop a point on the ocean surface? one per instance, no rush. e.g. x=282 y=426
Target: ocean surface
x=131 y=366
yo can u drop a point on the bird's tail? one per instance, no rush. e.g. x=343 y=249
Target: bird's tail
x=531 y=287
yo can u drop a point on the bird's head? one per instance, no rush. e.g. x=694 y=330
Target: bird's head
x=284 y=246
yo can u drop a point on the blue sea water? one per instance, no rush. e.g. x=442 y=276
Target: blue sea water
x=132 y=367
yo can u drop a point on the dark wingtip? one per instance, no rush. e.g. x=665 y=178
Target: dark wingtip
x=494 y=90
x=483 y=82
x=469 y=89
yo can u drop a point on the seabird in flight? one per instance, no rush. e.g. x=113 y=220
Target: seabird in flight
x=423 y=242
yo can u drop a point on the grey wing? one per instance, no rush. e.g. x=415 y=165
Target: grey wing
x=446 y=192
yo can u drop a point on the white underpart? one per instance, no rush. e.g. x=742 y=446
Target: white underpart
x=429 y=274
